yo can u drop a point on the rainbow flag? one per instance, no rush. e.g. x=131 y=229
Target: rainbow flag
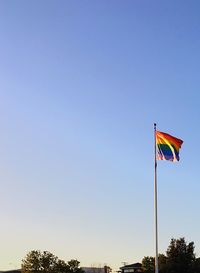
x=167 y=146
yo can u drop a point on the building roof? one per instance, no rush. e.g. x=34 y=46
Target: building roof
x=136 y=265
x=12 y=271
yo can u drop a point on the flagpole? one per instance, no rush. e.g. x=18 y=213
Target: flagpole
x=155 y=201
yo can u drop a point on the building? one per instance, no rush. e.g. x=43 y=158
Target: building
x=105 y=269
x=130 y=268
x=12 y=271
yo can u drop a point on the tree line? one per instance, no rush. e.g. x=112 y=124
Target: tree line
x=179 y=258
x=45 y=262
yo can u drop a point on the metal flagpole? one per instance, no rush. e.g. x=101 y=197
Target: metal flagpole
x=155 y=202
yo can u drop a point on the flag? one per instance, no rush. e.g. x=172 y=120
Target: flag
x=167 y=146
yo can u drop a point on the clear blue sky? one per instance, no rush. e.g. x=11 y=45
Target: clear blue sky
x=81 y=84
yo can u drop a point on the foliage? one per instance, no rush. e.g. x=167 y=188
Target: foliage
x=74 y=266
x=196 y=266
x=180 y=258
x=162 y=263
x=148 y=264
x=45 y=262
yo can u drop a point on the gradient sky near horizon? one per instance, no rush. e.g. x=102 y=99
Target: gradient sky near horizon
x=81 y=84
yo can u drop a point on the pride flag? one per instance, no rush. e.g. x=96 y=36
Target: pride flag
x=167 y=146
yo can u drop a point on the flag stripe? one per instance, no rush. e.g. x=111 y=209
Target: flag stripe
x=167 y=146
x=165 y=151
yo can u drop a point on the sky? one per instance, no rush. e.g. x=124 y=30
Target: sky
x=81 y=85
